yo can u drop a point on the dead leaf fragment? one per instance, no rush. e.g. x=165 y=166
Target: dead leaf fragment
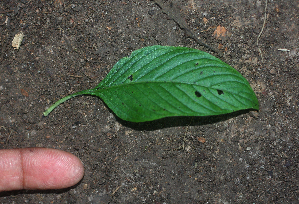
x=220 y=31
x=201 y=139
x=58 y=3
x=24 y=93
x=17 y=40
x=205 y=20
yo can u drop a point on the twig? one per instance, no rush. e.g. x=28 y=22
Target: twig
x=2 y=127
x=258 y=37
x=115 y=190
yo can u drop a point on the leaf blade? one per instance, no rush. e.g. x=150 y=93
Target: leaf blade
x=161 y=81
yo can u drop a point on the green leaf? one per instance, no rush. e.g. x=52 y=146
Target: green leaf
x=163 y=81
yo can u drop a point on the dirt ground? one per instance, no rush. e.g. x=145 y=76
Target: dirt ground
x=248 y=157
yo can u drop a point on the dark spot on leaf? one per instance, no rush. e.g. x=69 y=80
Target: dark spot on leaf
x=220 y=92
x=196 y=63
x=201 y=72
x=130 y=77
x=197 y=94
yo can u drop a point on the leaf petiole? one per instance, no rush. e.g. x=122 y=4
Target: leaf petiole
x=52 y=107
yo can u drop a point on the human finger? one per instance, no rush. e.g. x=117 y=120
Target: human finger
x=38 y=168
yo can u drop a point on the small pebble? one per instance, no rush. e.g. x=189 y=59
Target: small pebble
x=272 y=71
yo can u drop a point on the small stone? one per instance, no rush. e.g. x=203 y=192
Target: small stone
x=254 y=114
x=272 y=71
x=33 y=133
x=16 y=43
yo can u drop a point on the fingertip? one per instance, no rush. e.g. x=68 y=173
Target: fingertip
x=50 y=168
x=74 y=170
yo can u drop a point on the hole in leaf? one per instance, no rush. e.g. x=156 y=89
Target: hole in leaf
x=130 y=77
x=220 y=92
x=197 y=94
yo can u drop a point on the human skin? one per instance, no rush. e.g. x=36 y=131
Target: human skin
x=38 y=169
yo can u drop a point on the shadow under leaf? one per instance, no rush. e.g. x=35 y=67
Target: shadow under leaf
x=180 y=121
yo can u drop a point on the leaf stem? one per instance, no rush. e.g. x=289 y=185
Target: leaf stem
x=52 y=107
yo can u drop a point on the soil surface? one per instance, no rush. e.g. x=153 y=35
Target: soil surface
x=248 y=157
